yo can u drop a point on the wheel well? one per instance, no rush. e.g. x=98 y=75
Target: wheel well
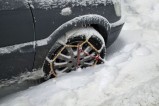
x=101 y=30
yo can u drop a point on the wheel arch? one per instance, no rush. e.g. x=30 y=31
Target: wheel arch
x=101 y=29
x=100 y=23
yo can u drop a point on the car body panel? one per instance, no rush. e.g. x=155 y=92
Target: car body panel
x=52 y=18
x=16 y=28
x=16 y=23
x=49 y=19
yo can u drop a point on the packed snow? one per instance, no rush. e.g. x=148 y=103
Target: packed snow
x=66 y=11
x=129 y=77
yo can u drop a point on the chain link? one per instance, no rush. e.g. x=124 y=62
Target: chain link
x=97 y=57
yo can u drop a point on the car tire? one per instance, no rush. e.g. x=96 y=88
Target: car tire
x=79 y=48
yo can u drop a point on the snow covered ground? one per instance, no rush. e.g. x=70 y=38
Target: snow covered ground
x=129 y=77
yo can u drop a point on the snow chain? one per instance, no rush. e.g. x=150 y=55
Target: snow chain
x=97 y=57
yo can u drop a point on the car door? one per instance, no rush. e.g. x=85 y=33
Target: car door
x=16 y=38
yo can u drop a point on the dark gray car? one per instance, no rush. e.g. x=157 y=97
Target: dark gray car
x=58 y=36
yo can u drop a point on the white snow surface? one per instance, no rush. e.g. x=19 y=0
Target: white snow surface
x=129 y=77
x=66 y=11
x=62 y=3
